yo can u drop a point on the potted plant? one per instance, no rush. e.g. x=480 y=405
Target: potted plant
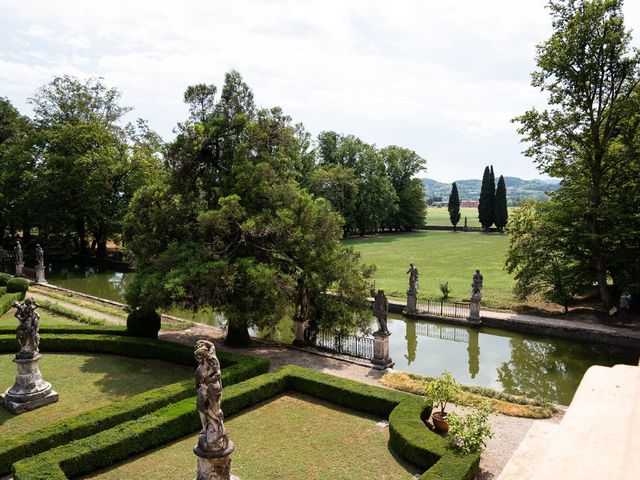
x=441 y=391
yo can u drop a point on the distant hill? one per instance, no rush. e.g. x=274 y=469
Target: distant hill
x=518 y=189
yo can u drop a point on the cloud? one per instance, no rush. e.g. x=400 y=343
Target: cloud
x=442 y=78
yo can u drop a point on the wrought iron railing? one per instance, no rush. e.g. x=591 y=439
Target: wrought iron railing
x=353 y=345
x=440 y=308
x=7 y=263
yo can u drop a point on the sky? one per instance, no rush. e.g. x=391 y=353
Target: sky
x=441 y=78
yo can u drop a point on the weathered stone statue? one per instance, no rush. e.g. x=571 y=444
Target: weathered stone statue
x=214 y=447
x=380 y=311
x=413 y=278
x=27 y=333
x=19 y=258
x=476 y=286
x=40 y=265
x=29 y=390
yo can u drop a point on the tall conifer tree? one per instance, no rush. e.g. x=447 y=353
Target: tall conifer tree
x=500 y=212
x=485 y=204
x=454 y=206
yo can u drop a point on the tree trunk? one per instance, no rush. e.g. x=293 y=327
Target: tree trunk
x=237 y=334
x=82 y=235
x=596 y=243
x=26 y=233
x=102 y=249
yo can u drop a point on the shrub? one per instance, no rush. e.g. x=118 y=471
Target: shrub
x=7 y=299
x=443 y=390
x=445 y=290
x=143 y=323
x=470 y=432
x=4 y=278
x=16 y=285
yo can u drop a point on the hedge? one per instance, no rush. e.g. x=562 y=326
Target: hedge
x=15 y=285
x=7 y=299
x=237 y=367
x=4 y=278
x=409 y=437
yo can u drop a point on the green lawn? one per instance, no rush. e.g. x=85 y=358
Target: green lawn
x=46 y=319
x=291 y=437
x=440 y=216
x=439 y=256
x=85 y=382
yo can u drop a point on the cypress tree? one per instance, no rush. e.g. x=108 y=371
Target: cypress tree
x=500 y=212
x=485 y=204
x=454 y=206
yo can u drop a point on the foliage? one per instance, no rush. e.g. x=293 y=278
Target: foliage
x=445 y=289
x=588 y=135
x=472 y=395
x=541 y=257
x=15 y=285
x=454 y=206
x=443 y=390
x=4 y=278
x=7 y=299
x=408 y=435
x=232 y=228
x=500 y=211
x=143 y=322
x=487 y=199
x=471 y=431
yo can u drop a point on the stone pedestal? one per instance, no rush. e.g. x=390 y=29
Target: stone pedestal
x=30 y=391
x=412 y=302
x=40 y=274
x=300 y=327
x=19 y=267
x=215 y=465
x=381 y=359
x=474 y=309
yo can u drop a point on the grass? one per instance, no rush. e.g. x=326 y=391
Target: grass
x=504 y=403
x=439 y=256
x=47 y=319
x=85 y=382
x=80 y=302
x=292 y=436
x=439 y=216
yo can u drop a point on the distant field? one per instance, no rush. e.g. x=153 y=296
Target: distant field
x=439 y=256
x=440 y=216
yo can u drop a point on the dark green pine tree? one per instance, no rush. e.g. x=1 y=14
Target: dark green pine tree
x=487 y=196
x=500 y=212
x=454 y=206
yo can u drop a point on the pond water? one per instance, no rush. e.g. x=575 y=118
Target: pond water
x=530 y=365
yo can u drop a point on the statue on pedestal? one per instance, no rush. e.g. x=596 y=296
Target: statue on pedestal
x=19 y=258
x=380 y=311
x=213 y=447
x=39 y=256
x=27 y=332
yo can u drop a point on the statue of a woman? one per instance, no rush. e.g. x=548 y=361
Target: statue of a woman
x=27 y=333
x=213 y=436
x=380 y=311
x=18 y=253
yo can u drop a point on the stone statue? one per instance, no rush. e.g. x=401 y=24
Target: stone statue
x=39 y=256
x=18 y=253
x=380 y=311
x=27 y=332
x=413 y=278
x=213 y=447
x=476 y=286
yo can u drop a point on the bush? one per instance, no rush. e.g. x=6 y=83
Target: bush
x=4 y=278
x=470 y=432
x=143 y=323
x=443 y=390
x=445 y=289
x=17 y=285
x=7 y=299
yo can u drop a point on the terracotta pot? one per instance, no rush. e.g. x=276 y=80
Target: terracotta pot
x=440 y=421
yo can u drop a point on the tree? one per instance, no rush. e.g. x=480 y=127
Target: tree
x=487 y=199
x=500 y=211
x=232 y=229
x=591 y=74
x=454 y=206
x=540 y=257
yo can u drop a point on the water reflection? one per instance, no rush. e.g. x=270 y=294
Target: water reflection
x=520 y=364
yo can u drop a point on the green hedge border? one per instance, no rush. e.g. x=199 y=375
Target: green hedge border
x=408 y=435
x=6 y=299
x=237 y=367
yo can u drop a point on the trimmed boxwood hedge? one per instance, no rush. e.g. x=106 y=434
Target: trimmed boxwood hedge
x=7 y=299
x=4 y=278
x=408 y=435
x=15 y=285
x=236 y=367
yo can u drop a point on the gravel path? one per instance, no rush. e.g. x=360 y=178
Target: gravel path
x=508 y=431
